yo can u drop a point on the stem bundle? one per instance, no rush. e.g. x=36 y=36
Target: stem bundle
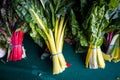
x=114 y=48
x=55 y=45
x=95 y=58
x=16 y=44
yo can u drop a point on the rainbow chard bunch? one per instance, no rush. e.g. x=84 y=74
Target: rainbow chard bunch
x=47 y=20
x=11 y=35
x=90 y=31
x=114 y=48
x=100 y=20
x=97 y=22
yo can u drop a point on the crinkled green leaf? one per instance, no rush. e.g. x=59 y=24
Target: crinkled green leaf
x=74 y=24
x=113 y=3
x=40 y=14
x=113 y=15
x=53 y=16
x=83 y=40
x=64 y=8
x=35 y=36
x=97 y=24
x=77 y=31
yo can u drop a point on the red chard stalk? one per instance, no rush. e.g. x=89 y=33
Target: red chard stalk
x=16 y=43
x=109 y=38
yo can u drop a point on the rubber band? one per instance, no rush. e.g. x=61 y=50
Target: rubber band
x=114 y=45
x=56 y=54
x=13 y=46
x=59 y=52
x=94 y=48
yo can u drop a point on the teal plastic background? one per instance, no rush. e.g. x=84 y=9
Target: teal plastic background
x=33 y=68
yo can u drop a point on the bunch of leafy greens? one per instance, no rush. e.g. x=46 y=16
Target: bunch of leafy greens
x=114 y=48
x=47 y=20
x=90 y=31
x=9 y=23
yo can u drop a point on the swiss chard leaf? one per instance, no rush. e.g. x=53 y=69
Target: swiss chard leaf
x=77 y=30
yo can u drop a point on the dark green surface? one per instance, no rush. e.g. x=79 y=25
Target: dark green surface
x=32 y=68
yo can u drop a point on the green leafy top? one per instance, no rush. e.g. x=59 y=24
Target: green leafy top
x=9 y=22
x=41 y=15
x=94 y=19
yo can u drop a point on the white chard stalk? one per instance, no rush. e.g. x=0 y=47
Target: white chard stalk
x=2 y=52
x=93 y=60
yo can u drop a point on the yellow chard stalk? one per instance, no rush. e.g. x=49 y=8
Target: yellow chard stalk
x=101 y=61
x=55 y=44
x=59 y=35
